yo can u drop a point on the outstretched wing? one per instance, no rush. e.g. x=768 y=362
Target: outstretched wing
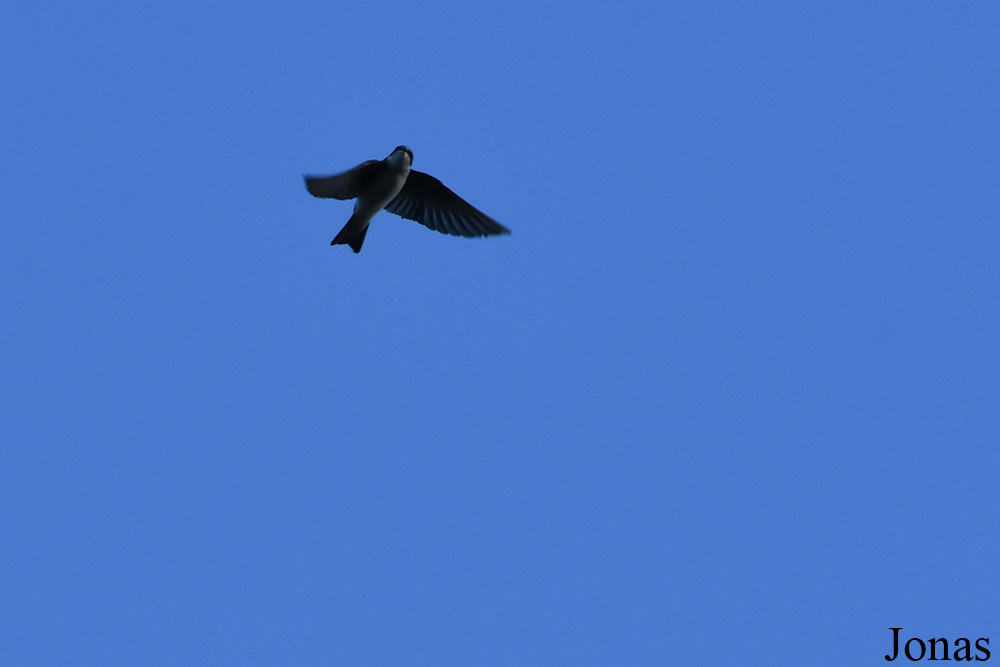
x=428 y=201
x=345 y=185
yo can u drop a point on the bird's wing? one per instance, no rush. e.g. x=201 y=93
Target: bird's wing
x=428 y=201
x=345 y=185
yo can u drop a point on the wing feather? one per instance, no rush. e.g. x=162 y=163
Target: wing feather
x=345 y=185
x=428 y=201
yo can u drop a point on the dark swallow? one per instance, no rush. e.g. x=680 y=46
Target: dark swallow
x=390 y=184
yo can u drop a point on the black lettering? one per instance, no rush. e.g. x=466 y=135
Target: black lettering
x=966 y=648
x=984 y=640
x=923 y=649
x=934 y=644
x=895 y=644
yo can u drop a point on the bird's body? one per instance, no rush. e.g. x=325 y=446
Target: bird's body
x=392 y=185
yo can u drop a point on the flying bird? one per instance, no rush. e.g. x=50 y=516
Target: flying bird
x=390 y=184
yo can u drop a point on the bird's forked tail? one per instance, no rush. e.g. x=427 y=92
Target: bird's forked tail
x=353 y=234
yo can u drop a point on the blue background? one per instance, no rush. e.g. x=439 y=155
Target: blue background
x=728 y=393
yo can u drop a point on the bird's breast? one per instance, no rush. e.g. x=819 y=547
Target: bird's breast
x=380 y=192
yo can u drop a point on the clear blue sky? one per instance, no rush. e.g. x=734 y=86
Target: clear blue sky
x=729 y=393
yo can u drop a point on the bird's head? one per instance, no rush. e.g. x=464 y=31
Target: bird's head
x=402 y=153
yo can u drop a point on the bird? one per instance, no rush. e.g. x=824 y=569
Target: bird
x=392 y=185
